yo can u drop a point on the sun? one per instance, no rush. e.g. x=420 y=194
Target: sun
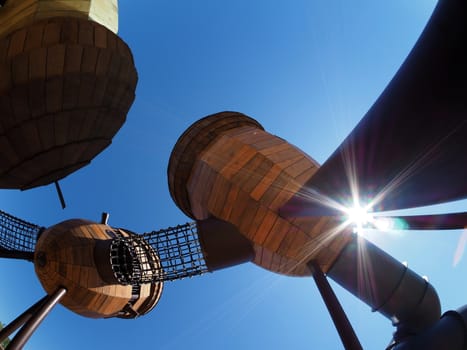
x=359 y=217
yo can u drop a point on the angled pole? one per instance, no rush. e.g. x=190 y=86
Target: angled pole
x=35 y=318
x=341 y=322
x=60 y=195
x=20 y=320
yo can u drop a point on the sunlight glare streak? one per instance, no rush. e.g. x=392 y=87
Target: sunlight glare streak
x=460 y=248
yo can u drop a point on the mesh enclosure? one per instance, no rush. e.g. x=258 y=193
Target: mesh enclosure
x=17 y=234
x=164 y=255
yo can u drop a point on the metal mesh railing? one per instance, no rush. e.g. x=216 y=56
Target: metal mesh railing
x=164 y=255
x=17 y=234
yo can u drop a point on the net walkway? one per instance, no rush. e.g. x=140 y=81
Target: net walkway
x=17 y=234
x=164 y=255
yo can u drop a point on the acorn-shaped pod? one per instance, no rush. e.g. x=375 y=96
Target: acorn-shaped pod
x=225 y=166
x=75 y=254
x=66 y=85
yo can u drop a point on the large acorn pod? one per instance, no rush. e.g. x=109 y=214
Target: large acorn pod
x=65 y=89
x=74 y=254
x=227 y=168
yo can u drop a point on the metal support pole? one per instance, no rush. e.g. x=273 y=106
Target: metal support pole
x=105 y=218
x=35 y=320
x=60 y=195
x=341 y=322
x=20 y=320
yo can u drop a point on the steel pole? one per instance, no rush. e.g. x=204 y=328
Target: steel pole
x=341 y=322
x=35 y=320
x=20 y=320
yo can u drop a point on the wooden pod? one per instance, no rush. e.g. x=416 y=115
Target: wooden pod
x=19 y=13
x=66 y=86
x=67 y=255
x=226 y=166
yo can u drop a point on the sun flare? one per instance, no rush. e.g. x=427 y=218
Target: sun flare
x=359 y=217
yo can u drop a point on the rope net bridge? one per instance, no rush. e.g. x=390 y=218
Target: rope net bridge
x=163 y=255
x=17 y=237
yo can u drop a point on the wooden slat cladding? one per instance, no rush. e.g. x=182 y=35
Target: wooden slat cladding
x=65 y=256
x=244 y=175
x=67 y=87
x=19 y=13
x=193 y=141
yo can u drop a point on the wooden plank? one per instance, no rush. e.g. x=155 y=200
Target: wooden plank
x=52 y=33
x=29 y=132
x=267 y=181
x=56 y=61
x=20 y=109
x=307 y=174
x=7 y=119
x=60 y=128
x=89 y=60
x=34 y=37
x=36 y=98
x=289 y=187
x=37 y=64
x=299 y=167
x=70 y=32
x=289 y=161
x=276 y=188
x=217 y=196
x=77 y=119
x=7 y=152
x=281 y=153
x=293 y=243
x=112 y=42
x=276 y=262
x=268 y=143
x=54 y=94
x=86 y=33
x=45 y=126
x=265 y=257
x=70 y=96
x=248 y=216
x=103 y=62
x=20 y=69
x=4 y=45
x=239 y=208
x=275 y=149
x=254 y=135
x=239 y=131
x=230 y=202
x=265 y=227
x=99 y=91
x=249 y=175
x=100 y=37
x=17 y=42
x=73 y=59
x=86 y=90
x=198 y=189
x=242 y=155
x=277 y=233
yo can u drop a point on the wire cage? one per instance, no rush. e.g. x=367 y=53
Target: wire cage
x=157 y=256
x=17 y=235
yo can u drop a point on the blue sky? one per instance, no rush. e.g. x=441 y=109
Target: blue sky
x=308 y=71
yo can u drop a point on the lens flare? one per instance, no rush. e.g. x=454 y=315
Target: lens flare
x=359 y=217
